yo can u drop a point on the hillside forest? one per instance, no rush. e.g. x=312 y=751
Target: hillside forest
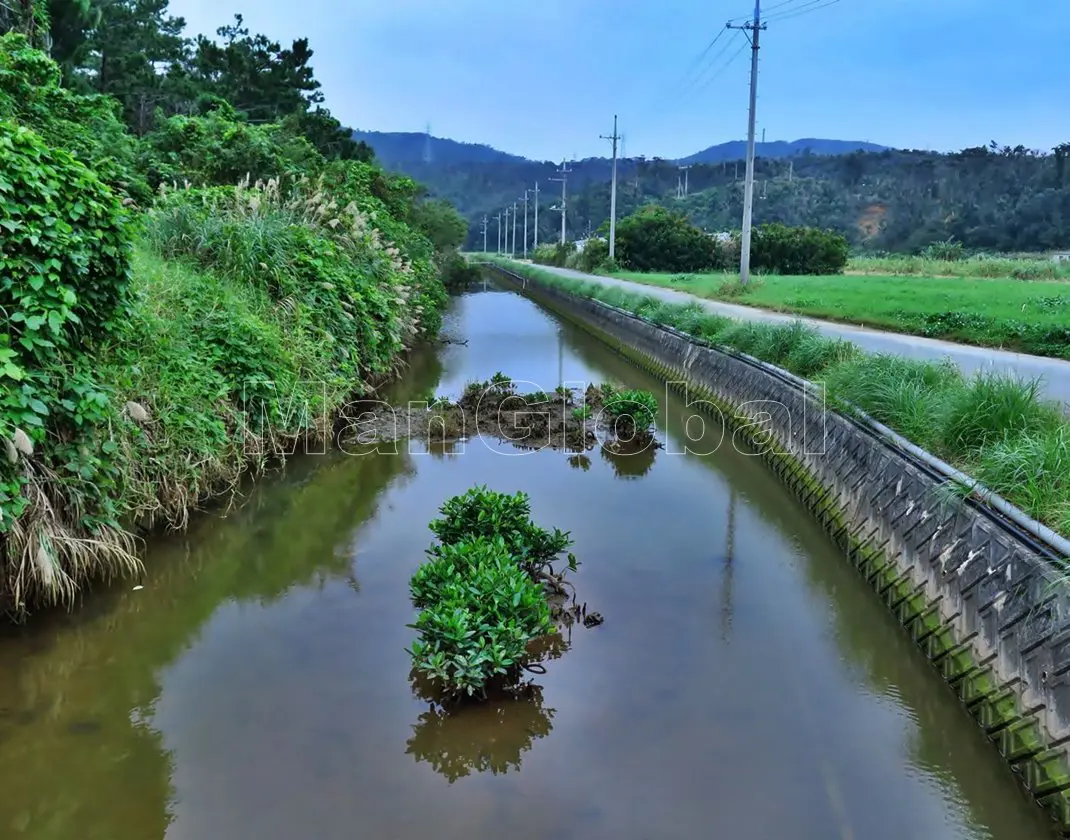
x=991 y=198
x=200 y=269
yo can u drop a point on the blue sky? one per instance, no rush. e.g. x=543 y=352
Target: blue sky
x=543 y=78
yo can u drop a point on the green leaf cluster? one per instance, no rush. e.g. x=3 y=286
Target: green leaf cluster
x=88 y=126
x=633 y=409
x=480 y=591
x=64 y=275
x=220 y=148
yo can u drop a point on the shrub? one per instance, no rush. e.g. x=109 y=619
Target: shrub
x=945 y=251
x=486 y=513
x=654 y=239
x=556 y=255
x=593 y=257
x=633 y=410
x=479 y=613
x=89 y=127
x=220 y=148
x=64 y=267
x=481 y=593
x=64 y=283
x=779 y=249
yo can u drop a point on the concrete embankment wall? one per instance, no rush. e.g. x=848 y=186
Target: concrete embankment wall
x=981 y=598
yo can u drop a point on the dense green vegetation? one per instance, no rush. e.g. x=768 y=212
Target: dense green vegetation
x=190 y=285
x=482 y=592
x=995 y=428
x=654 y=239
x=779 y=249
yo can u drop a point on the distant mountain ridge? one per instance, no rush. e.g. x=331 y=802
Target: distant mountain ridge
x=737 y=149
x=399 y=149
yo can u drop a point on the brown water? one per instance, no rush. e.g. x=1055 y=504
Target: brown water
x=746 y=683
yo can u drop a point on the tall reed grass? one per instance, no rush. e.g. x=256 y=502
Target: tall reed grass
x=980 y=267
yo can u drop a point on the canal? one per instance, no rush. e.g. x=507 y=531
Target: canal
x=746 y=682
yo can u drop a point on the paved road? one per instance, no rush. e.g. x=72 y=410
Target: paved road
x=1054 y=373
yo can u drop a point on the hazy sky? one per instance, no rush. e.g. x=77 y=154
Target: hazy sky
x=543 y=78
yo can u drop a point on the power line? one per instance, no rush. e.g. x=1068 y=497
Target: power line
x=703 y=54
x=805 y=9
x=709 y=80
x=747 y=18
x=686 y=82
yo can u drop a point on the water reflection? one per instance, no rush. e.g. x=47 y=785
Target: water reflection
x=79 y=755
x=579 y=462
x=630 y=464
x=491 y=735
x=727 y=568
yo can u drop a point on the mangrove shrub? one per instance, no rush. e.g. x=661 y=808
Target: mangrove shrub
x=481 y=591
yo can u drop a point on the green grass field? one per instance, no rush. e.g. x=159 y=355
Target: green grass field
x=1029 y=316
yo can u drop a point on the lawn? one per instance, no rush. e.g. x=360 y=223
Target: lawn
x=1030 y=316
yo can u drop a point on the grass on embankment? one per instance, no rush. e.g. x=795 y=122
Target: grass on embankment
x=995 y=428
x=247 y=324
x=190 y=336
x=1031 y=317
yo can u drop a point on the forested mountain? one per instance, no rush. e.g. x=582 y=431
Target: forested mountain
x=989 y=197
x=395 y=149
x=996 y=198
x=737 y=149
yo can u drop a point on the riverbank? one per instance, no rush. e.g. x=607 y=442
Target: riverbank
x=212 y=373
x=999 y=429
x=967 y=580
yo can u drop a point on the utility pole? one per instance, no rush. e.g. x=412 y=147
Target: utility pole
x=513 y=253
x=499 y=233
x=508 y=250
x=754 y=30
x=536 y=214
x=484 y=234
x=791 y=171
x=563 y=172
x=525 y=200
x=613 y=192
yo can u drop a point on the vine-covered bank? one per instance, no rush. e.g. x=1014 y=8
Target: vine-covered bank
x=178 y=307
